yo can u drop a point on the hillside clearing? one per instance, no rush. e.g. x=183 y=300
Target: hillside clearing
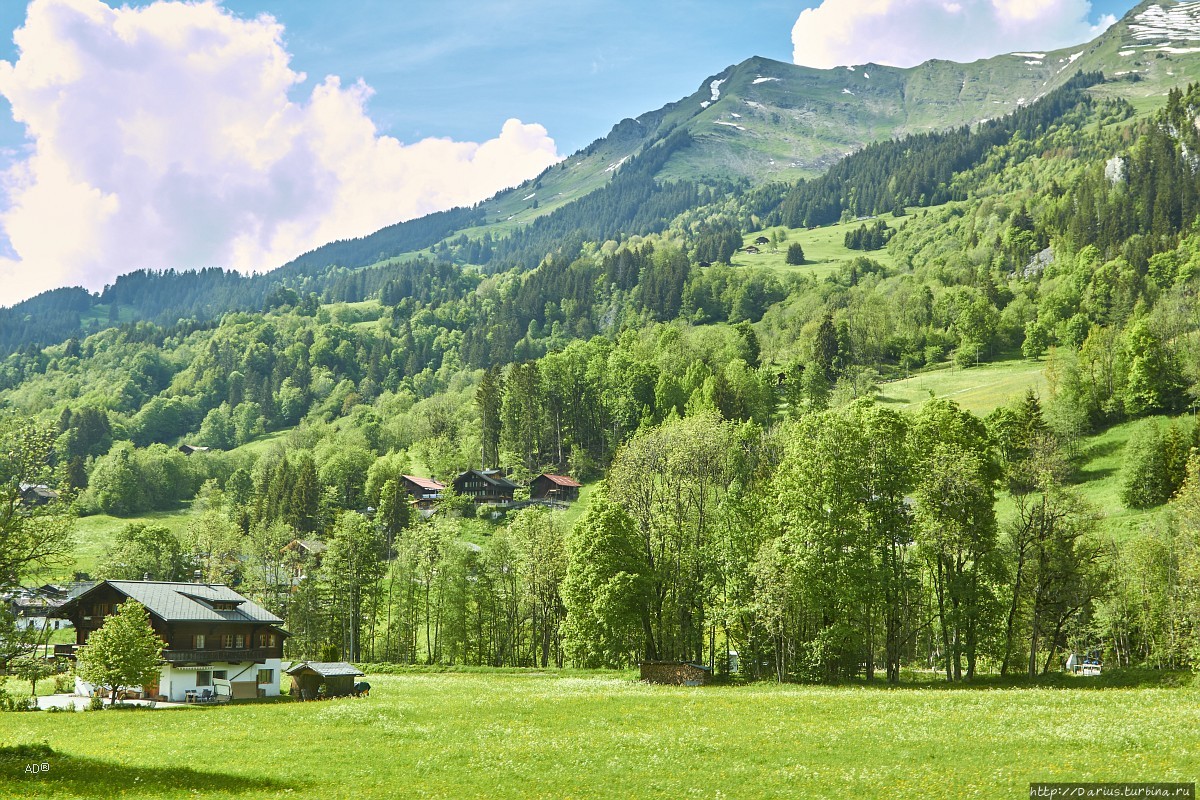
x=978 y=389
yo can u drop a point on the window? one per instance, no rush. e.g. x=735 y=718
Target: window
x=198 y=641
x=227 y=641
x=204 y=678
x=239 y=641
x=266 y=676
x=266 y=640
x=220 y=674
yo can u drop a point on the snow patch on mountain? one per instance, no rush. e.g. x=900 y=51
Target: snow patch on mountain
x=1029 y=55
x=1179 y=22
x=616 y=166
x=761 y=79
x=728 y=124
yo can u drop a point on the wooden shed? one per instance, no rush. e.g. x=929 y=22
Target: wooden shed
x=677 y=673
x=309 y=676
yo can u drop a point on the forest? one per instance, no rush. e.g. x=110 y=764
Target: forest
x=746 y=492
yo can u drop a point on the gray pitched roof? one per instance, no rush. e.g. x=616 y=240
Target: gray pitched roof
x=326 y=669
x=191 y=602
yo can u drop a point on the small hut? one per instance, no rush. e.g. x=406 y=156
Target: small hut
x=677 y=673
x=309 y=676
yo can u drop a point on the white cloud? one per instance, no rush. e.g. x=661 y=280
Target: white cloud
x=904 y=33
x=165 y=137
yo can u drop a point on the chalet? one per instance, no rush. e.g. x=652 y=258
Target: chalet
x=751 y=250
x=33 y=608
x=705 y=264
x=553 y=487
x=188 y=449
x=485 y=486
x=310 y=677
x=425 y=492
x=217 y=641
x=303 y=554
x=36 y=494
x=762 y=240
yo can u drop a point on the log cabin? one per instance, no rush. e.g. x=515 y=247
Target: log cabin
x=214 y=637
x=486 y=486
x=554 y=487
x=425 y=492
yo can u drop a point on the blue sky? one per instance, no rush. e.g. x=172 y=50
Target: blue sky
x=461 y=68
x=241 y=133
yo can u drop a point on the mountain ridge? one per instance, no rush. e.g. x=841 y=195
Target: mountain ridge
x=754 y=122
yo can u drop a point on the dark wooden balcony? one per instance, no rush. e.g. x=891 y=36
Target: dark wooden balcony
x=174 y=656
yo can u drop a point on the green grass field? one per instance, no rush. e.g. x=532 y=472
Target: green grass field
x=824 y=249
x=94 y=534
x=979 y=389
x=505 y=735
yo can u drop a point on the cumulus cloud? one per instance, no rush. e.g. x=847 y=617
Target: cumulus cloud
x=904 y=33
x=164 y=136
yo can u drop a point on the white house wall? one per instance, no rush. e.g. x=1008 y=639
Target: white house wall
x=174 y=682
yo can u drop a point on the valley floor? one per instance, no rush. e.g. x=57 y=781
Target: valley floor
x=529 y=735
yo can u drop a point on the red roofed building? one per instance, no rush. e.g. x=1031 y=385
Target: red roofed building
x=553 y=487
x=425 y=491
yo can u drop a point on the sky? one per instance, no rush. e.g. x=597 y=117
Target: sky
x=241 y=133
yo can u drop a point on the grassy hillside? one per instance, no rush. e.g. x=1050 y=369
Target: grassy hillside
x=94 y=534
x=979 y=389
x=502 y=735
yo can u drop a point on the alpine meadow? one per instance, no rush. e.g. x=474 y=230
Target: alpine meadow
x=825 y=433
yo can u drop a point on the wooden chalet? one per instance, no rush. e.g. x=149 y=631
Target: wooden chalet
x=303 y=554
x=219 y=645
x=485 y=486
x=554 y=487
x=425 y=492
x=308 y=677
x=762 y=240
x=36 y=494
x=188 y=449
x=752 y=250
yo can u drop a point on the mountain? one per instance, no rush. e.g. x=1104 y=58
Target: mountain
x=753 y=123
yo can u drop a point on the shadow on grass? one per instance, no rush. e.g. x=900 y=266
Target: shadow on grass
x=1083 y=476
x=38 y=767
x=1100 y=450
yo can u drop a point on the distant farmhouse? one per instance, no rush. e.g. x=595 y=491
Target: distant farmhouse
x=762 y=240
x=425 y=492
x=36 y=494
x=486 y=486
x=554 y=487
x=34 y=608
x=305 y=554
x=219 y=645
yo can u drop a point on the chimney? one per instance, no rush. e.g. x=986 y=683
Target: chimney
x=145 y=576
x=196 y=576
